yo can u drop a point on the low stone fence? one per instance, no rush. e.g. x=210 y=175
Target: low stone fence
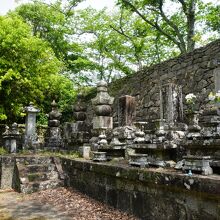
x=147 y=193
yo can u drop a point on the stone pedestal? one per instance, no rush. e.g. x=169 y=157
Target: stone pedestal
x=30 y=139
x=139 y=160
x=99 y=156
x=198 y=164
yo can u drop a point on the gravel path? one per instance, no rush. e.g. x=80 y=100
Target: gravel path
x=56 y=204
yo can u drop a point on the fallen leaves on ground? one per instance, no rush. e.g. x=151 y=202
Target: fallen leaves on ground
x=78 y=206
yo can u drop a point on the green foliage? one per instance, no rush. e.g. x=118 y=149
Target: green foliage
x=69 y=155
x=3 y=151
x=42 y=119
x=51 y=23
x=28 y=71
x=180 y=26
x=213 y=14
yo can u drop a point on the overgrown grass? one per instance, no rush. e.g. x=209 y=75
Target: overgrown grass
x=69 y=154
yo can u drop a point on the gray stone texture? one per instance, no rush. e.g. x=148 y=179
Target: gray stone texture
x=126 y=111
x=193 y=71
x=147 y=193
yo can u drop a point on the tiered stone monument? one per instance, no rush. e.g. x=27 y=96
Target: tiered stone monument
x=203 y=138
x=30 y=138
x=80 y=130
x=102 y=120
x=54 y=139
x=102 y=105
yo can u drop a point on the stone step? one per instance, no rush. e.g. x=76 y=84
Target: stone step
x=34 y=168
x=40 y=185
x=32 y=177
x=38 y=176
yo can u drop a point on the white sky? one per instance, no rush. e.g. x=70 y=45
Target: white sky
x=6 y=5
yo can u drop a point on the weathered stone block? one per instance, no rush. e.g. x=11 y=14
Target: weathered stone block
x=102 y=122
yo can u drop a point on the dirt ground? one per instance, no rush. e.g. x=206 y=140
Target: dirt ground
x=56 y=204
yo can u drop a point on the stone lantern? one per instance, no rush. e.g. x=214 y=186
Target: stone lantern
x=11 y=138
x=14 y=136
x=6 y=138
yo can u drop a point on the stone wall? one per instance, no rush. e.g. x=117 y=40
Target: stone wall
x=147 y=193
x=194 y=72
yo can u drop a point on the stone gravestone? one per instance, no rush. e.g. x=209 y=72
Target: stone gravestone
x=126 y=110
x=80 y=130
x=30 y=140
x=171 y=108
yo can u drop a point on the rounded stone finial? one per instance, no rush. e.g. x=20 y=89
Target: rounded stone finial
x=53 y=103
x=102 y=83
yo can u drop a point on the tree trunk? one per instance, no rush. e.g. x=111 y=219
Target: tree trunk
x=191 y=26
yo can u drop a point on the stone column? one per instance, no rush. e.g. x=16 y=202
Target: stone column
x=126 y=111
x=30 y=126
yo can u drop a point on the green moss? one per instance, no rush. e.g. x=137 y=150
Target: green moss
x=68 y=155
x=33 y=176
x=3 y=151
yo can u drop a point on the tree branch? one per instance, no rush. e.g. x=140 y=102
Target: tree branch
x=173 y=26
x=155 y=25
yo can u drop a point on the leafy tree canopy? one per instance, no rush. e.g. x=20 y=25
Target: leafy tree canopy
x=28 y=71
x=181 y=26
